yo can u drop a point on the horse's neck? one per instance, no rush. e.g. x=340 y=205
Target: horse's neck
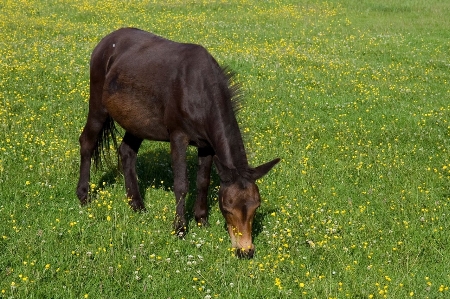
x=228 y=144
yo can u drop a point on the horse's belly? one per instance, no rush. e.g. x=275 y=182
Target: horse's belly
x=137 y=116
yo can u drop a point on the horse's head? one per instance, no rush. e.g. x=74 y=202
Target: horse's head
x=238 y=200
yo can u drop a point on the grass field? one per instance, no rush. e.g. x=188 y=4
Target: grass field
x=354 y=96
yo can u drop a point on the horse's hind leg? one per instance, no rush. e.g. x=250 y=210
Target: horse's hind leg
x=205 y=158
x=128 y=151
x=88 y=143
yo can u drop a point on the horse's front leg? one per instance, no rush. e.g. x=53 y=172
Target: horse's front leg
x=205 y=158
x=128 y=152
x=178 y=146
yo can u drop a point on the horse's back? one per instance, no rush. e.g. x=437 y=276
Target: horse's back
x=151 y=85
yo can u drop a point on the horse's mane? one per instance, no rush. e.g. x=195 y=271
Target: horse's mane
x=234 y=88
x=237 y=102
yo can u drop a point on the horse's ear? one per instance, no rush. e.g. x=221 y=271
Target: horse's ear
x=225 y=173
x=262 y=170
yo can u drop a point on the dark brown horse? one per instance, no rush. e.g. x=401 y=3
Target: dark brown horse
x=161 y=90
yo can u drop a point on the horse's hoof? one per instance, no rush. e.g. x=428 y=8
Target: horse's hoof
x=180 y=232
x=202 y=222
x=137 y=206
x=83 y=200
x=82 y=194
x=180 y=227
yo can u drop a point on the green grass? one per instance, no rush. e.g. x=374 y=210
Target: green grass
x=352 y=95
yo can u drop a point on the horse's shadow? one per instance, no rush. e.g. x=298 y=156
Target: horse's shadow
x=154 y=169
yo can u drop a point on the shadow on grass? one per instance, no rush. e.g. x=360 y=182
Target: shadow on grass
x=154 y=170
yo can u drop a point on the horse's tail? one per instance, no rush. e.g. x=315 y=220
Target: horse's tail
x=103 y=146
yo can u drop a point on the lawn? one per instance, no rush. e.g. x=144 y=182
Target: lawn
x=353 y=96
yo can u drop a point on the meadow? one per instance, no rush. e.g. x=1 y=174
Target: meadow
x=353 y=96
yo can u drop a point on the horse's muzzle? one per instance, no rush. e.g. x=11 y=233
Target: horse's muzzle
x=245 y=253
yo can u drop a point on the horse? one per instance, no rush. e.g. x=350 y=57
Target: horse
x=161 y=90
